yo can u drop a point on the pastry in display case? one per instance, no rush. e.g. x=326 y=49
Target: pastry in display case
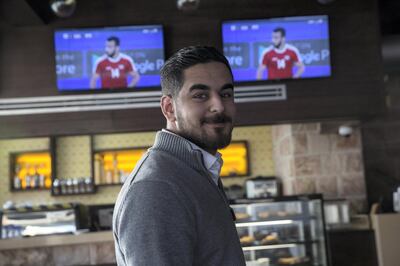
x=282 y=231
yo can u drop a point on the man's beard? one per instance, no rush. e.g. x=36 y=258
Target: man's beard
x=200 y=136
x=111 y=54
x=278 y=45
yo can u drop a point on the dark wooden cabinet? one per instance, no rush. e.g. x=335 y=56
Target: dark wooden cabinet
x=352 y=248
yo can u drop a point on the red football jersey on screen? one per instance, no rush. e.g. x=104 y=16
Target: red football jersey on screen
x=113 y=71
x=280 y=62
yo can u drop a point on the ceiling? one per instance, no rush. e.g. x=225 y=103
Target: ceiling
x=37 y=12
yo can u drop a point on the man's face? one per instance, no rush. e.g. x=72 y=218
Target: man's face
x=204 y=107
x=277 y=39
x=111 y=48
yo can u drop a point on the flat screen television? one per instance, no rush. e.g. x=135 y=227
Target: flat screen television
x=278 y=48
x=99 y=59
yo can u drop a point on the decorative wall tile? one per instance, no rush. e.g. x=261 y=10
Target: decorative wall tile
x=285 y=147
x=352 y=185
x=306 y=127
x=71 y=255
x=318 y=144
x=307 y=166
x=299 y=143
x=327 y=186
x=354 y=162
x=27 y=257
x=102 y=253
x=304 y=185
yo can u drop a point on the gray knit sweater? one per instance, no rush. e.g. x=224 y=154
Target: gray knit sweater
x=170 y=213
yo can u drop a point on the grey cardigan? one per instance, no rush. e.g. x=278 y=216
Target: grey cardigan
x=169 y=212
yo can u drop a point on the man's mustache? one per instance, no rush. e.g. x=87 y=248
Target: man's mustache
x=217 y=119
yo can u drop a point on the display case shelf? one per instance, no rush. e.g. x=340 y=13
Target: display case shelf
x=279 y=245
x=275 y=219
x=282 y=231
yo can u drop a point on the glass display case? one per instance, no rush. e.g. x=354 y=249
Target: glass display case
x=282 y=231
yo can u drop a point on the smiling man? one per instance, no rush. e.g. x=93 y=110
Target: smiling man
x=172 y=209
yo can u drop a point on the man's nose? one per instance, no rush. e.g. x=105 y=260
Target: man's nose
x=216 y=104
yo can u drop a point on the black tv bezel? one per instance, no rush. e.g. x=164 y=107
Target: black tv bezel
x=88 y=91
x=286 y=80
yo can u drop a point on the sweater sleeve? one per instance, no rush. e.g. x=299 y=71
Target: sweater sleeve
x=155 y=227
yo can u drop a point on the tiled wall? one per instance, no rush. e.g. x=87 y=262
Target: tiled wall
x=310 y=162
x=73 y=160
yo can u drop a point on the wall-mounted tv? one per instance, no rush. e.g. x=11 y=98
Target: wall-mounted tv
x=109 y=58
x=278 y=48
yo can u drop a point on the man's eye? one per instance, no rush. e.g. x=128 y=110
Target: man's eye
x=227 y=95
x=200 y=96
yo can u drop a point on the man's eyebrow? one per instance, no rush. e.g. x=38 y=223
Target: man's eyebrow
x=199 y=87
x=227 y=86
x=204 y=87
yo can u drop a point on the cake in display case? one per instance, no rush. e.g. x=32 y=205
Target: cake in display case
x=282 y=231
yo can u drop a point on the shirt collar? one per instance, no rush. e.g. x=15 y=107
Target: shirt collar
x=213 y=163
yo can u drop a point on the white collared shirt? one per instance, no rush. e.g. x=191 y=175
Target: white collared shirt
x=213 y=163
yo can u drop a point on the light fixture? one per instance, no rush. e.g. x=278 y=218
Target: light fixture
x=325 y=2
x=63 y=8
x=187 y=5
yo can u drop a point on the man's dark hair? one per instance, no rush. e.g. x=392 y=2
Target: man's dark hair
x=172 y=70
x=281 y=30
x=113 y=39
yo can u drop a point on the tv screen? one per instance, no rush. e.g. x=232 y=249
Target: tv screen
x=109 y=58
x=278 y=48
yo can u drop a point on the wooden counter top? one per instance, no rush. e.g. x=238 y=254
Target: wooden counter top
x=56 y=240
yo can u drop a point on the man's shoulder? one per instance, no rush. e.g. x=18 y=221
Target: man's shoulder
x=126 y=58
x=268 y=51
x=101 y=60
x=158 y=166
x=292 y=49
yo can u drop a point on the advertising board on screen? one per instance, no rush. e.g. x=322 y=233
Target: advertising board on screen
x=109 y=58
x=278 y=48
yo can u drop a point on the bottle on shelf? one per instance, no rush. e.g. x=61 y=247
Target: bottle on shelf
x=56 y=187
x=27 y=177
x=109 y=177
x=41 y=176
x=35 y=178
x=70 y=189
x=17 y=179
x=63 y=185
x=75 y=184
x=122 y=176
x=47 y=181
x=81 y=185
x=116 y=173
x=88 y=185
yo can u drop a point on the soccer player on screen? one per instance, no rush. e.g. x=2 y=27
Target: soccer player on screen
x=280 y=58
x=114 y=67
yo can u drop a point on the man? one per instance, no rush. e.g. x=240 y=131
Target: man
x=114 y=68
x=280 y=58
x=172 y=210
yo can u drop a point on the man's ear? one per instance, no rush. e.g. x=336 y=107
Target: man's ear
x=167 y=108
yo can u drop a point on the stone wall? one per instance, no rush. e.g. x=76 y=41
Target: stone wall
x=310 y=162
